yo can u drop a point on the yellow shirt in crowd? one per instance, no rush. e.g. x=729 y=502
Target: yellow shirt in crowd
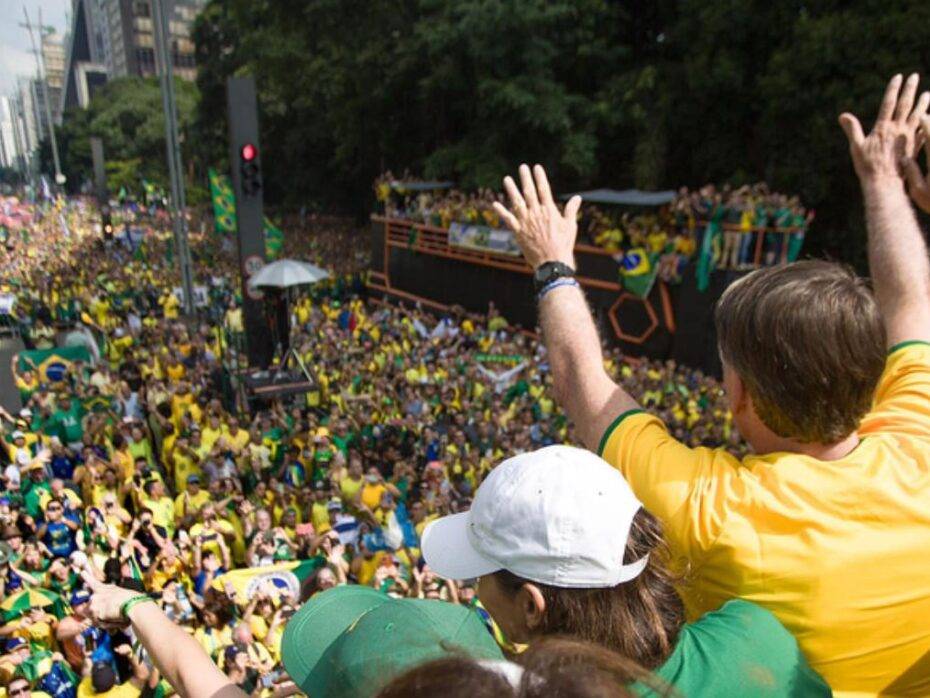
x=835 y=549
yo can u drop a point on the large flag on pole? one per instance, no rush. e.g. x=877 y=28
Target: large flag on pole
x=709 y=255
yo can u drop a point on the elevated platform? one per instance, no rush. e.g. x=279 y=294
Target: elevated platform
x=416 y=262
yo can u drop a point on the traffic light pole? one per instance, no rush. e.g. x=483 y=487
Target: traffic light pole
x=245 y=169
x=175 y=169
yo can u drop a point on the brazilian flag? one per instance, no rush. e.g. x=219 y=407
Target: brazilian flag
x=224 y=215
x=274 y=240
x=53 y=365
x=224 y=203
x=638 y=270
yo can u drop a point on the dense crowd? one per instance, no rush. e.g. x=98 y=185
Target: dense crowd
x=147 y=464
x=415 y=526
x=758 y=227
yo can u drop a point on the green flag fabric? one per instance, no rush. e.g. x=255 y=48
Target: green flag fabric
x=709 y=255
x=638 y=270
x=274 y=240
x=224 y=203
x=224 y=215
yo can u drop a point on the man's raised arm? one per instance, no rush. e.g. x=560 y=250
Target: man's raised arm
x=582 y=386
x=897 y=253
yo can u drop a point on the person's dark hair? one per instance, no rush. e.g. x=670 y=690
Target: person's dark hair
x=808 y=342
x=222 y=612
x=551 y=667
x=311 y=585
x=640 y=619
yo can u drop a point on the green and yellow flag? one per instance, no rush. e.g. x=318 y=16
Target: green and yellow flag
x=283 y=578
x=224 y=215
x=224 y=203
x=638 y=270
x=274 y=240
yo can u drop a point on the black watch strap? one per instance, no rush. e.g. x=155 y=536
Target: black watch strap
x=547 y=272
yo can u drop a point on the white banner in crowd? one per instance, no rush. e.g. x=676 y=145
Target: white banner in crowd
x=481 y=237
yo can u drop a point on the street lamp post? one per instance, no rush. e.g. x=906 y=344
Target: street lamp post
x=175 y=168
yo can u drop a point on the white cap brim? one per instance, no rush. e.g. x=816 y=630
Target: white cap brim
x=449 y=553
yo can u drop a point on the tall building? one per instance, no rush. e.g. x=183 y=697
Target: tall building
x=53 y=54
x=27 y=114
x=9 y=153
x=131 y=36
x=88 y=48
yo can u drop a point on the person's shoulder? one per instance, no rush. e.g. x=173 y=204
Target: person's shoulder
x=746 y=623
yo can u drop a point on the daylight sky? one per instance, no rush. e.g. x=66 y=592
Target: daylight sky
x=15 y=52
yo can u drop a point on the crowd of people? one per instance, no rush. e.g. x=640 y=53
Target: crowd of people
x=415 y=525
x=145 y=464
x=757 y=227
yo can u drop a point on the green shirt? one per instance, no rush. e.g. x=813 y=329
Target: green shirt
x=738 y=650
x=68 y=423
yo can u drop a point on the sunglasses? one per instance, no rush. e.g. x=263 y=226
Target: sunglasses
x=18 y=691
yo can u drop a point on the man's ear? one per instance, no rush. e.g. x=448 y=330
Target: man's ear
x=532 y=604
x=737 y=395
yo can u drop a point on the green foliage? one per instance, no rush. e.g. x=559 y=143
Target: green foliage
x=648 y=93
x=127 y=115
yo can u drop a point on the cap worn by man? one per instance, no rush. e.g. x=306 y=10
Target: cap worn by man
x=352 y=640
x=559 y=516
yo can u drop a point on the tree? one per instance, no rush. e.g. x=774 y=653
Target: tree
x=127 y=115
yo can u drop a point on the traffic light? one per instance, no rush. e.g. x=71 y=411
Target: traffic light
x=250 y=172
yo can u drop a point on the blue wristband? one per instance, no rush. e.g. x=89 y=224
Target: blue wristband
x=563 y=281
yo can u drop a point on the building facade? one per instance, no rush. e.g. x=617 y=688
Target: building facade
x=53 y=54
x=131 y=36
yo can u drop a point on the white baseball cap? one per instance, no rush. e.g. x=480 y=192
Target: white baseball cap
x=559 y=516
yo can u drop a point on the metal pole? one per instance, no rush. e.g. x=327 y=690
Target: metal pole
x=40 y=68
x=175 y=168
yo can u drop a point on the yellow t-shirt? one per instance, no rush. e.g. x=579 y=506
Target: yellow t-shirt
x=837 y=550
x=348 y=488
x=123 y=690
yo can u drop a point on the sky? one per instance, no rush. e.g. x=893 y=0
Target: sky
x=16 y=56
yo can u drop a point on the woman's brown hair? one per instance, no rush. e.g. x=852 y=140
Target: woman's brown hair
x=639 y=619
x=553 y=666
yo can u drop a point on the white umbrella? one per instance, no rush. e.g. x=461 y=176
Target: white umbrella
x=286 y=273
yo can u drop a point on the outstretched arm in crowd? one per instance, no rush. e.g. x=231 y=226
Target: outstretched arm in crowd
x=897 y=252
x=583 y=388
x=177 y=655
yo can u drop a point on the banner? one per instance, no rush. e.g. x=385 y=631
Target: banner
x=512 y=359
x=283 y=578
x=481 y=237
x=638 y=271
x=52 y=365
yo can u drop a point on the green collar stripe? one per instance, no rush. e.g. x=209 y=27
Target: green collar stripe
x=610 y=430
x=901 y=345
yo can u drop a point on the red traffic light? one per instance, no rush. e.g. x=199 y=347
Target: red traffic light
x=248 y=152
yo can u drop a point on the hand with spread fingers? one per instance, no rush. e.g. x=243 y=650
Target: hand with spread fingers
x=543 y=233
x=895 y=140
x=918 y=184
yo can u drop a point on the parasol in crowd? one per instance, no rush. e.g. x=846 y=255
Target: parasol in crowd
x=21 y=602
x=286 y=273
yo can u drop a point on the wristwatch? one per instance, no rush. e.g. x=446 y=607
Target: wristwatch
x=547 y=272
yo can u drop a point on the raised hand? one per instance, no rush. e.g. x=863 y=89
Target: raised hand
x=894 y=140
x=543 y=233
x=918 y=185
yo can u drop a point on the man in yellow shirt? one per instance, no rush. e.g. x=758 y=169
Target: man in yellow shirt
x=829 y=526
